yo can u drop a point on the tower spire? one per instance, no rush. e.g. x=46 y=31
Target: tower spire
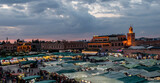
x=131 y=37
x=130 y=29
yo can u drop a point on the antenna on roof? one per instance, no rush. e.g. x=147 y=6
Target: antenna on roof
x=7 y=39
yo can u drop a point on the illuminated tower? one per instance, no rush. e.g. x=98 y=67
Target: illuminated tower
x=130 y=37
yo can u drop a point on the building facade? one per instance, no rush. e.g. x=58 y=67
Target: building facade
x=107 y=42
x=112 y=42
x=8 y=47
x=63 y=45
x=50 y=46
x=23 y=46
x=75 y=45
x=131 y=37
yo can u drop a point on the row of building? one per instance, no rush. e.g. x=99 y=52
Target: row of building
x=37 y=46
x=103 y=43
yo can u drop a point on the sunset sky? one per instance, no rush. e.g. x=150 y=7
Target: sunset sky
x=77 y=19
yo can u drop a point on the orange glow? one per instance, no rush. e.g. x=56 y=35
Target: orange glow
x=130 y=29
x=89 y=52
x=24 y=47
x=97 y=43
x=130 y=37
x=129 y=43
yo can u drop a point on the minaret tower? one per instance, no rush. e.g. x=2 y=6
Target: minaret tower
x=130 y=37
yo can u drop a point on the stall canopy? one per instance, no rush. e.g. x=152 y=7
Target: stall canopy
x=77 y=75
x=74 y=61
x=132 y=79
x=105 y=63
x=148 y=62
x=130 y=65
x=119 y=60
x=47 y=81
x=98 y=58
x=151 y=74
x=27 y=62
x=67 y=53
x=95 y=72
x=19 y=57
x=150 y=69
x=102 y=79
x=9 y=57
x=135 y=71
x=2 y=58
x=113 y=74
x=70 y=66
x=31 y=77
x=51 y=68
x=66 y=71
x=66 y=58
x=41 y=55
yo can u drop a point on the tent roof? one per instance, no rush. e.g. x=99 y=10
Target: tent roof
x=120 y=60
x=66 y=58
x=27 y=62
x=31 y=77
x=153 y=68
x=66 y=53
x=137 y=47
x=98 y=58
x=102 y=79
x=74 y=61
x=47 y=81
x=134 y=71
x=77 y=75
x=132 y=79
x=113 y=74
x=151 y=74
x=66 y=71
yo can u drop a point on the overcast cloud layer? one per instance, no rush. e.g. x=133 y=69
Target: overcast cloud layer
x=77 y=19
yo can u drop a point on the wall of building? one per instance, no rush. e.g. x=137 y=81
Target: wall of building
x=75 y=45
x=152 y=43
x=60 y=45
x=152 y=51
x=9 y=47
x=24 y=47
x=52 y=46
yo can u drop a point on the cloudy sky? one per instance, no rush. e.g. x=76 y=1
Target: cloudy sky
x=77 y=19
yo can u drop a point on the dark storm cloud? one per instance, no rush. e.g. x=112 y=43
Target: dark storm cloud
x=15 y=1
x=39 y=18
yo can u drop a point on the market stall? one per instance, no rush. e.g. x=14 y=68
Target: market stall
x=47 y=81
x=31 y=78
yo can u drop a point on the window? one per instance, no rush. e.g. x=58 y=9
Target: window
x=115 y=44
x=105 y=40
x=94 y=46
x=122 y=44
x=119 y=44
x=105 y=45
x=112 y=44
